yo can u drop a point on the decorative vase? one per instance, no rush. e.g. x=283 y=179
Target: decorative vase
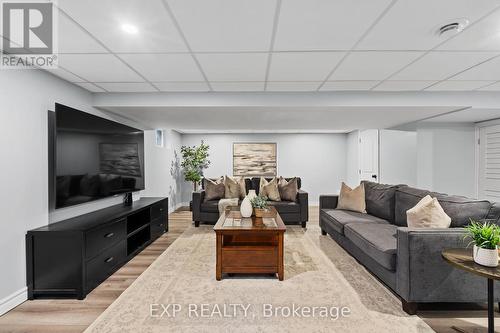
x=485 y=257
x=246 y=208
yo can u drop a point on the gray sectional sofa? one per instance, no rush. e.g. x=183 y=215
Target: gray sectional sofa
x=409 y=260
x=291 y=212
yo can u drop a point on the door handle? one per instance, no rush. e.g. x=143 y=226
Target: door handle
x=110 y=259
x=374 y=176
x=111 y=234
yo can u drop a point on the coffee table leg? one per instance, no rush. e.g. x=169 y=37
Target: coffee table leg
x=281 y=260
x=491 y=305
x=218 y=266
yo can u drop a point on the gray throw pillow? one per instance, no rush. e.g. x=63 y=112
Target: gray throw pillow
x=288 y=189
x=214 y=190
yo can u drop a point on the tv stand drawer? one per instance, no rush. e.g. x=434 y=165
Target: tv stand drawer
x=102 y=266
x=104 y=237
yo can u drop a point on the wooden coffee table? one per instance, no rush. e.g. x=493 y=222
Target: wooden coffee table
x=249 y=245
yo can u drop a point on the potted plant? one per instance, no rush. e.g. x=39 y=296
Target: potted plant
x=194 y=161
x=259 y=204
x=485 y=237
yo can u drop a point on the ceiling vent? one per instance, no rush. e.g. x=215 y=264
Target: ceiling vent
x=452 y=28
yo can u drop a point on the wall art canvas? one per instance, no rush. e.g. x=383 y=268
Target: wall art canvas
x=254 y=159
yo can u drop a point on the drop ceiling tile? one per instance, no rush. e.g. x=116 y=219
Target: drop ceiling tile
x=292 y=86
x=441 y=65
x=182 y=86
x=303 y=66
x=372 y=65
x=164 y=67
x=412 y=25
x=127 y=87
x=98 y=68
x=89 y=86
x=492 y=87
x=325 y=24
x=226 y=25
x=481 y=36
x=65 y=75
x=458 y=85
x=348 y=85
x=234 y=66
x=104 y=20
x=237 y=86
x=489 y=70
x=72 y=39
x=403 y=85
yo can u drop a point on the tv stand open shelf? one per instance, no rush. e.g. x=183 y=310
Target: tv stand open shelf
x=68 y=259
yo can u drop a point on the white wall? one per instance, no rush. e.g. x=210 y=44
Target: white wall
x=446 y=158
x=319 y=159
x=398 y=157
x=163 y=174
x=25 y=97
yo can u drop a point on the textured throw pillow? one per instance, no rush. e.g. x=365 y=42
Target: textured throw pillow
x=232 y=188
x=288 y=189
x=270 y=189
x=352 y=199
x=90 y=185
x=214 y=190
x=427 y=213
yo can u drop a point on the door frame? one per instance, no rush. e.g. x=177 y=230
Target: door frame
x=477 y=150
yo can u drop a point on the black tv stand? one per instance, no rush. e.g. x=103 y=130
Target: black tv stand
x=68 y=259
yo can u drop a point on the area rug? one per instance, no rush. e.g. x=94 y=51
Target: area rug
x=179 y=293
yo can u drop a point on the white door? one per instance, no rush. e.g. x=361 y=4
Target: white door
x=489 y=163
x=368 y=155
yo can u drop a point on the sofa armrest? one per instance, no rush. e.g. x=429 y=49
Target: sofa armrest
x=303 y=200
x=422 y=273
x=198 y=197
x=328 y=201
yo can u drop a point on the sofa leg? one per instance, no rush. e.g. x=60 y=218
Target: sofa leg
x=196 y=224
x=323 y=232
x=409 y=307
x=304 y=224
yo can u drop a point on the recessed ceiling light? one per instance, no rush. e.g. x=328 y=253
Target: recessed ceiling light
x=453 y=27
x=130 y=29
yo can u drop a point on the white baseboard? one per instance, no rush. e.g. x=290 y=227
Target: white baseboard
x=13 y=300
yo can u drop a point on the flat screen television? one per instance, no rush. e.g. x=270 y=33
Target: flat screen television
x=93 y=158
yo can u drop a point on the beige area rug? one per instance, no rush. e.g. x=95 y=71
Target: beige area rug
x=319 y=276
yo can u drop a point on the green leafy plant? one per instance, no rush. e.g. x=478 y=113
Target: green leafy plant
x=483 y=234
x=259 y=202
x=194 y=161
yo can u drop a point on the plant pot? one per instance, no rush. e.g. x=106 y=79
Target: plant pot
x=485 y=257
x=259 y=212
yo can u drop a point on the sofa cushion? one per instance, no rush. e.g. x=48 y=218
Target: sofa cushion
x=381 y=200
x=459 y=209
x=284 y=207
x=377 y=240
x=256 y=182
x=339 y=218
x=211 y=206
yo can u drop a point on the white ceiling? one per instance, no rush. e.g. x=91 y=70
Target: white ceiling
x=472 y=115
x=278 y=45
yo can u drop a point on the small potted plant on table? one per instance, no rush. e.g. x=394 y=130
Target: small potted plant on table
x=259 y=204
x=485 y=237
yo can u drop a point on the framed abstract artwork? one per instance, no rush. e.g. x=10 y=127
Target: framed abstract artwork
x=254 y=159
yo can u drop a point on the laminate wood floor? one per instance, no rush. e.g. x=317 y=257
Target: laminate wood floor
x=68 y=316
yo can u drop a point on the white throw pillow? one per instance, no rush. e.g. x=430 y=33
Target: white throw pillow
x=427 y=213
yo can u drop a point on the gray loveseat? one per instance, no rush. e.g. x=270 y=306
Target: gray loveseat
x=409 y=260
x=291 y=212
